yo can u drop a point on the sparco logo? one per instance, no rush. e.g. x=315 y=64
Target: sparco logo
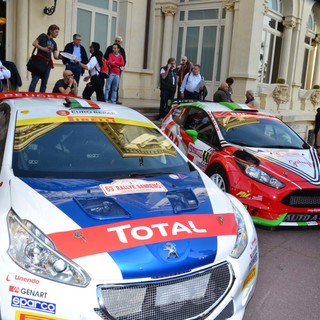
x=20 y=302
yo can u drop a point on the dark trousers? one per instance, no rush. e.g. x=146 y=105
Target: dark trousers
x=95 y=85
x=44 y=81
x=76 y=70
x=166 y=98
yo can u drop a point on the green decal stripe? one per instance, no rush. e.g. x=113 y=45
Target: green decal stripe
x=231 y=105
x=267 y=222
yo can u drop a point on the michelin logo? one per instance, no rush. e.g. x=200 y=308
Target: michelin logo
x=22 y=302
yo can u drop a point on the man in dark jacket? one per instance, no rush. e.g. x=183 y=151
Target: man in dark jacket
x=79 y=51
x=168 y=85
x=221 y=94
x=317 y=131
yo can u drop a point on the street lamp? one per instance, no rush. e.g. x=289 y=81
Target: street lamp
x=50 y=10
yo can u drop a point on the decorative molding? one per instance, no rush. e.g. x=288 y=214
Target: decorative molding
x=280 y=94
x=289 y=22
x=315 y=97
x=265 y=6
x=228 y=4
x=169 y=10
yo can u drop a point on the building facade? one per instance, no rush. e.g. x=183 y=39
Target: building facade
x=268 y=46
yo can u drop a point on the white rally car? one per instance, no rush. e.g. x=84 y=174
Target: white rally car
x=102 y=217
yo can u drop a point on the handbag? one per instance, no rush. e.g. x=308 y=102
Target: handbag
x=37 y=65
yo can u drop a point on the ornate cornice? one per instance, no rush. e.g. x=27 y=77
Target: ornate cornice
x=280 y=93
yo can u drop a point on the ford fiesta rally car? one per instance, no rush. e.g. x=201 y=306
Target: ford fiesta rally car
x=102 y=217
x=254 y=156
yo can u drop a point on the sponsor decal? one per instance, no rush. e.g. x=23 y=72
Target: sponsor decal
x=257 y=198
x=63 y=112
x=28 y=292
x=16 y=277
x=25 y=303
x=243 y=194
x=254 y=259
x=195 y=151
x=128 y=186
x=252 y=274
x=124 y=235
x=24 y=315
x=299 y=163
x=302 y=217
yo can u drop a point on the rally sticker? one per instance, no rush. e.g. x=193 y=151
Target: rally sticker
x=26 y=303
x=127 y=186
x=23 y=315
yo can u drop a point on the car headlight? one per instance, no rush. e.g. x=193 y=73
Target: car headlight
x=260 y=175
x=33 y=251
x=242 y=235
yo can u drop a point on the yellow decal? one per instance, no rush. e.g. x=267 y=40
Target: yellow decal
x=243 y=194
x=23 y=315
x=252 y=274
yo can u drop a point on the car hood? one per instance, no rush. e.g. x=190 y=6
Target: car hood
x=148 y=227
x=295 y=165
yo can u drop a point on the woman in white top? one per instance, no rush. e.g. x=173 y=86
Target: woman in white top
x=4 y=74
x=96 y=83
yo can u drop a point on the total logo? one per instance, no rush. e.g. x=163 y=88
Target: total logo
x=21 y=302
x=15 y=277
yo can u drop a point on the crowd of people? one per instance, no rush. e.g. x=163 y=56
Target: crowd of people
x=77 y=62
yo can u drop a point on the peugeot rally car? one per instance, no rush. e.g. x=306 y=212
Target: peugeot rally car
x=102 y=217
x=254 y=156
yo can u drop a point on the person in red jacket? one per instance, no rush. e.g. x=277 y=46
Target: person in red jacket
x=116 y=62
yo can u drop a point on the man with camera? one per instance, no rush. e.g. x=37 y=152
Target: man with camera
x=168 y=86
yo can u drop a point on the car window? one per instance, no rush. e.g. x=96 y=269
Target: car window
x=4 y=122
x=92 y=150
x=255 y=131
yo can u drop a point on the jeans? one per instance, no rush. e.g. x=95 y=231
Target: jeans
x=44 y=81
x=112 y=83
x=76 y=69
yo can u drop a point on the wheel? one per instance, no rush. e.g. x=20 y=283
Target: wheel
x=218 y=176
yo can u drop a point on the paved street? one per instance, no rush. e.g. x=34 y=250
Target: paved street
x=288 y=281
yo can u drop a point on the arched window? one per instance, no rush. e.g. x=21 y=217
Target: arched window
x=271 y=43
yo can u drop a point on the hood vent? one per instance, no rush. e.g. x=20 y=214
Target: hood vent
x=182 y=200
x=102 y=208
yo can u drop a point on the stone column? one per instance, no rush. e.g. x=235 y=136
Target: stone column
x=316 y=72
x=169 y=12
x=289 y=23
x=229 y=5
x=22 y=55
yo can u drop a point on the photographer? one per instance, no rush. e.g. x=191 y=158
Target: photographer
x=168 y=86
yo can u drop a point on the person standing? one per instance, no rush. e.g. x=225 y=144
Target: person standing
x=250 y=99
x=67 y=85
x=184 y=68
x=192 y=84
x=79 y=51
x=317 y=131
x=230 y=82
x=168 y=86
x=221 y=94
x=46 y=46
x=96 y=83
x=118 y=40
x=116 y=62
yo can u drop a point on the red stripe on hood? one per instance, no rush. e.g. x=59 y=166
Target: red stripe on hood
x=134 y=233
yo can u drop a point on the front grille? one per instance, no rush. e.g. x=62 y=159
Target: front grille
x=303 y=198
x=188 y=297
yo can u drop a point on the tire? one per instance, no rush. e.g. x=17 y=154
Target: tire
x=217 y=174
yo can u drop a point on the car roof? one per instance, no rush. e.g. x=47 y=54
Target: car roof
x=30 y=105
x=209 y=106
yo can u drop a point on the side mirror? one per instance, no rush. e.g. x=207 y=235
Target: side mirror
x=193 y=134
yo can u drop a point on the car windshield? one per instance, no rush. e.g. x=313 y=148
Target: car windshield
x=93 y=150
x=256 y=131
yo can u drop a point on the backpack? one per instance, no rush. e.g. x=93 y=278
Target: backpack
x=104 y=68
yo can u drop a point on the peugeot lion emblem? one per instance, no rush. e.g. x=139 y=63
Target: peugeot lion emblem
x=171 y=248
